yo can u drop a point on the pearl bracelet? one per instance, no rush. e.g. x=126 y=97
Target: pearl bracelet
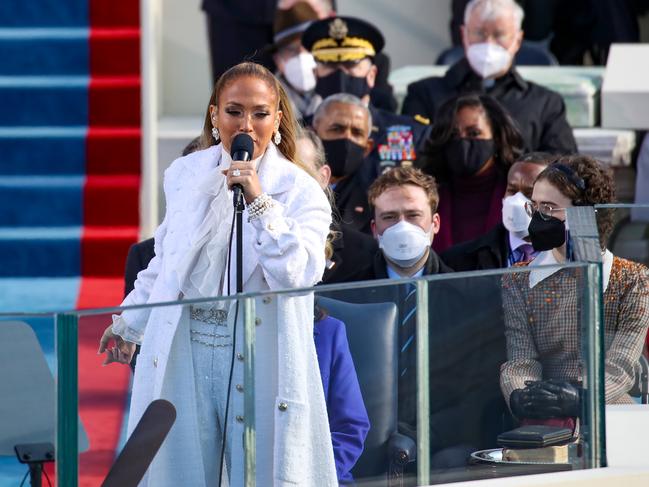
x=260 y=205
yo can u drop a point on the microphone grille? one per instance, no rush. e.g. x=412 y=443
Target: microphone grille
x=242 y=143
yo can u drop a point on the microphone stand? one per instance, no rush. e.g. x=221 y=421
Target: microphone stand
x=238 y=209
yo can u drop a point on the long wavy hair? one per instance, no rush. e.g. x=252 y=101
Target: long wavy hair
x=288 y=126
x=508 y=140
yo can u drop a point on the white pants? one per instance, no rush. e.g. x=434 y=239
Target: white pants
x=211 y=355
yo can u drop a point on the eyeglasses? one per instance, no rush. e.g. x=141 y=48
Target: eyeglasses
x=544 y=209
x=500 y=37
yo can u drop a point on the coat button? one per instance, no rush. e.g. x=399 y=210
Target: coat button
x=239 y=387
x=266 y=299
x=239 y=357
x=282 y=406
x=155 y=361
x=257 y=321
x=239 y=418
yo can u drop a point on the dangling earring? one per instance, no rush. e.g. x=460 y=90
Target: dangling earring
x=215 y=134
x=277 y=138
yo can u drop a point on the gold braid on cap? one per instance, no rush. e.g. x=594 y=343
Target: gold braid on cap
x=350 y=49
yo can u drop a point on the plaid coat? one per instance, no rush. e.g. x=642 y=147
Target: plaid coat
x=542 y=328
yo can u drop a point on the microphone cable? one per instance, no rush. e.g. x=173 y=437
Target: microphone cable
x=234 y=346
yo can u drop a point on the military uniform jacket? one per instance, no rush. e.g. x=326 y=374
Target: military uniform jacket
x=396 y=138
x=540 y=113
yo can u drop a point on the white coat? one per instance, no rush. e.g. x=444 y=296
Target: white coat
x=283 y=249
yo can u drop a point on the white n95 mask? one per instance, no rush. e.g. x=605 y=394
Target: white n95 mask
x=488 y=59
x=404 y=243
x=299 y=72
x=515 y=218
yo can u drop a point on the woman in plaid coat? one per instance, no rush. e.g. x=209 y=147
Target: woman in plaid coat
x=544 y=370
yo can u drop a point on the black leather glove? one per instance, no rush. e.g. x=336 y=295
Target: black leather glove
x=523 y=402
x=553 y=398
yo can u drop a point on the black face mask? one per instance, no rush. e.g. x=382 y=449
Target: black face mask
x=344 y=157
x=465 y=157
x=340 y=82
x=546 y=234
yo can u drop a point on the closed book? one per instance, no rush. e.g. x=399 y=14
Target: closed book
x=534 y=436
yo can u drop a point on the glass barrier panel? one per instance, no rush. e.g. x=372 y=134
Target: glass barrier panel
x=383 y=381
x=189 y=353
x=28 y=368
x=437 y=360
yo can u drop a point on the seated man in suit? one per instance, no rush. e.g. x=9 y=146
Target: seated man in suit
x=352 y=250
x=346 y=50
x=508 y=242
x=466 y=344
x=405 y=221
x=492 y=35
x=343 y=123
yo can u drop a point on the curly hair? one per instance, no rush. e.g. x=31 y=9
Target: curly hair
x=507 y=138
x=400 y=176
x=599 y=187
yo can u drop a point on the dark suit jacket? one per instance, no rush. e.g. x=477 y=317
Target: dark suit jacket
x=139 y=256
x=490 y=251
x=540 y=112
x=350 y=196
x=247 y=11
x=466 y=349
x=353 y=253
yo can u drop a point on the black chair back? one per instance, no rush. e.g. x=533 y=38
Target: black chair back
x=372 y=336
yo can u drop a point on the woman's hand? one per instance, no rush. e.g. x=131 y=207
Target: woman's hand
x=247 y=177
x=122 y=352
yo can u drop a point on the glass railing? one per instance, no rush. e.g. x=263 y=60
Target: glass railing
x=392 y=382
x=383 y=382
x=28 y=407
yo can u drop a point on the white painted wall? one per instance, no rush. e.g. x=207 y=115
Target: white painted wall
x=185 y=68
x=415 y=31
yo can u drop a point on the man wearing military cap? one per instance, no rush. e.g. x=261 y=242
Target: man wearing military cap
x=295 y=65
x=344 y=49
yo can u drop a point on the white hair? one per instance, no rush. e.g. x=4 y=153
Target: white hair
x=491 y=9
x=346 y=99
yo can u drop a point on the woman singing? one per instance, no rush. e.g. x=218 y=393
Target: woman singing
x=187 y=350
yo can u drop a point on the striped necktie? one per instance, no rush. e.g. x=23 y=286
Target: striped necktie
x=407 y=329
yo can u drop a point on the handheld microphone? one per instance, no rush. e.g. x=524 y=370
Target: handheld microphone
x=242 y=150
